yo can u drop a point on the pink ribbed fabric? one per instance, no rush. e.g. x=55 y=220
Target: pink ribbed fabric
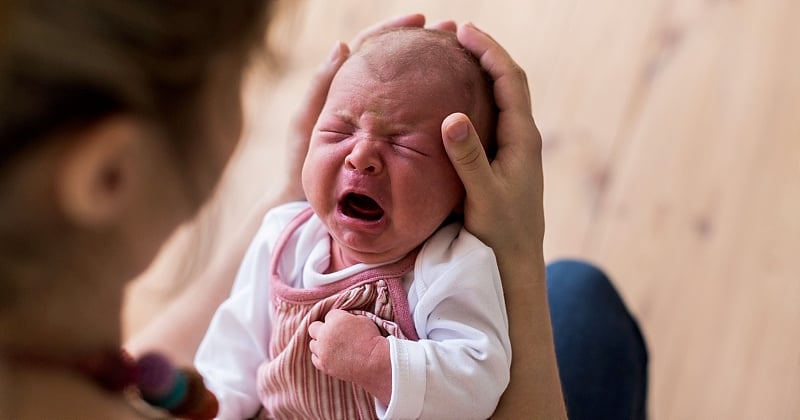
x=289 y=384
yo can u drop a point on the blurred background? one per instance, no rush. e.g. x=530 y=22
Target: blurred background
x=671 y=157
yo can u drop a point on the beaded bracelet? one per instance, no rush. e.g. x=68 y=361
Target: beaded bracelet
x=179 y=391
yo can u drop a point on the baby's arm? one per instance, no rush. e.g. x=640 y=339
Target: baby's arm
x=351 y=348
x=461 y=365
x=458 y=369
x=236 y=340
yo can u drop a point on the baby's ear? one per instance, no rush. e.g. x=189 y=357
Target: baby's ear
x=99 y=171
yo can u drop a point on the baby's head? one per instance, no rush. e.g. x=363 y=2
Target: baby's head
x=377 y=173
x=438 y=58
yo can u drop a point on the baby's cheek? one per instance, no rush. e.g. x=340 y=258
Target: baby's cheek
x=315 y=181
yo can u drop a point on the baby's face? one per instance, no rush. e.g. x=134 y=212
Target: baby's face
x=377 y=173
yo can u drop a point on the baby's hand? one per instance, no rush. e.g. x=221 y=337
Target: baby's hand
x=342 y=344
x=350 y=347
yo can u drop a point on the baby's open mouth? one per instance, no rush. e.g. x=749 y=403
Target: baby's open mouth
x=360 y=206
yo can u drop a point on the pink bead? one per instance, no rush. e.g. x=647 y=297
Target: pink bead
x=156 y=376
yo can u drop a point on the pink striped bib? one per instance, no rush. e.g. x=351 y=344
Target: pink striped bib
x=289 y=385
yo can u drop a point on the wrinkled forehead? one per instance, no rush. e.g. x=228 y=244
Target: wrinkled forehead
x=421 y=54
x=429 y=65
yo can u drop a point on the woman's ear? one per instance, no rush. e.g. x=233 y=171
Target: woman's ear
x=100 y=171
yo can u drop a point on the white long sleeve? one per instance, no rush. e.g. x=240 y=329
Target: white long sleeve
x=238 y=337
x=460 y=366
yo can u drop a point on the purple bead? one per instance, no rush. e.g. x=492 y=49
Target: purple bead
x=156 y=376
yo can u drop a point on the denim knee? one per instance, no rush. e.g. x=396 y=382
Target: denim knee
x=601 y=353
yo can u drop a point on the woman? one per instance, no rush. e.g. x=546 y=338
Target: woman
x=117 y=120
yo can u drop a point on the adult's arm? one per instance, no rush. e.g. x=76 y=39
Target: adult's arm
x=179 y=329
x=504 y=208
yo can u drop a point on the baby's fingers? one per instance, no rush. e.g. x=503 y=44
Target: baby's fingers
x=314 y=329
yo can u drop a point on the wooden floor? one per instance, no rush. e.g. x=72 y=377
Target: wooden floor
x=672 y=159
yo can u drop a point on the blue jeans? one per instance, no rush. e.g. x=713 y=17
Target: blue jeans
x=602 y=357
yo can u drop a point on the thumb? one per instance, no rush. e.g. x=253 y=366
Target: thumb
x=334 y=314
x=303 y=122
x=466 y=152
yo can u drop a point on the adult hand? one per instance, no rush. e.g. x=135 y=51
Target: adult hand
x=503 y=207
x=503 y=204
x=305 y=119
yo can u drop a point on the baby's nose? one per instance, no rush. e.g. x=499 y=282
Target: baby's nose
x=364 y=158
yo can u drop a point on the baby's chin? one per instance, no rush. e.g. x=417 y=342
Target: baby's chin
x=371 y=256
x=351 y=254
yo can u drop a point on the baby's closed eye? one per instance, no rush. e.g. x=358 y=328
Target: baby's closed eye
x=414 y=143
x=335 y=132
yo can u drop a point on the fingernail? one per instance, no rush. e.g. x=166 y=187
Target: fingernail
x=458 y=131
x=337 y=49
x=472 y=25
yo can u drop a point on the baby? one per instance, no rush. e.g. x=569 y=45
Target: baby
x=371 y=300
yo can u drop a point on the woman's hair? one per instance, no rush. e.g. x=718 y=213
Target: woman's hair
x=64 y=63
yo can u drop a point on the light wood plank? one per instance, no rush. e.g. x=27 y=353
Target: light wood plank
x=700 y=225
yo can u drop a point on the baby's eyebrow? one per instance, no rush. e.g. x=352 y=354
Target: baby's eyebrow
x=373 y=121
x=345 y=116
